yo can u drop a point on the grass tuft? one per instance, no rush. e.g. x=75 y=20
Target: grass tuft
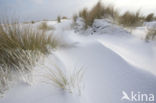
x=32 y=22
x=59 y=19
x=129 y=19
x=99 y=11
x=16 y=36
x=151 y=34
x=61 y=79
x=14 y=65
x=44 y=26
x=149 y=17
x=64 y=17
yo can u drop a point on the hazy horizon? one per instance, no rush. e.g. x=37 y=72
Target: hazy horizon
x=50 y=9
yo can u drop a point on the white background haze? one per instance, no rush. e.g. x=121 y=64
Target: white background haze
x=50 y=9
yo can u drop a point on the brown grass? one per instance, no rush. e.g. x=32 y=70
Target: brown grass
x=99 y=11
x=95 y=13
x=43 y=26
x=15 y=36
x=59 y=77
x=129 y=19
x=149 y=17
x=15 y=65
x=64 y=17
x=111 y=12
x=84 y=14
x=20 y=49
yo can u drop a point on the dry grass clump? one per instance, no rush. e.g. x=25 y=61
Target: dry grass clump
x=20 y=49
x=32 y=22
x=16 y=36
x=83 y=13
x=44 y=26
x=89 y=16
x=99 y=11
x=130 y=19
x=95 y=13
x=59 y=19
x=61 y=79
x=18 y=59
x=57 y=77
x=64 y=17
x=151 y=34
x=14 y=65
x=111 y=12
x=149 y=17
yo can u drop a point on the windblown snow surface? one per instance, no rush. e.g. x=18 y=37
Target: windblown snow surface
x=113 y=60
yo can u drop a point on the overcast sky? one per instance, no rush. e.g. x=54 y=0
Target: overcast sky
x=50 y=9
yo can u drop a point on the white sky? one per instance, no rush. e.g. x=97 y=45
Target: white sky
x=145 y=6
x=50 y=9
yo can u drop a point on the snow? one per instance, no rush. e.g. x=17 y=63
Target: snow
x=99 y=27
x=112 y=58
x=141 y=32
x=136 y=52
x=150 y=24
x=109 y=75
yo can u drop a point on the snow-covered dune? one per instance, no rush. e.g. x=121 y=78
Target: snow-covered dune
x=107 y=74
x=136 y=52
x=114 y=63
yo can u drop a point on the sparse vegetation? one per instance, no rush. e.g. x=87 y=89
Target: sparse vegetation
x=151 y=34
x=18 y=59
x=89 y=16
x=99 y=11
x=58 y=19
x=16 y=36
x=75 y=18
x=84 y=15
x=111 y=12
x=59 y=78
x=95 y=13
x=15 y=64
x=20 y=49
x=21 y=46
x=130 y=19
x=32 y=22
x=43 y=26
x=149 y=17
x=64 y=17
